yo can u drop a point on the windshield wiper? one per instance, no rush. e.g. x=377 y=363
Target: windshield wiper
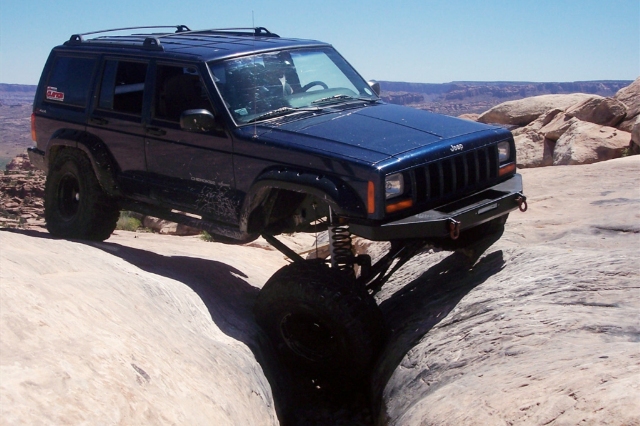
x=340 y=98
x=332 y=99
x=280 y=112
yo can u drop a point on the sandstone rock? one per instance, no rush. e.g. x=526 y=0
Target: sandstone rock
x=542 y=329
x=20 y=162
x=597 y=110
x=634 y=145
x=472 y=117
x=533 y=150
x=585 y=143
x=169 y=228
x=524 y=111
x=630 y=96
x=558 y=126
x=130 y=331
x=538 y=123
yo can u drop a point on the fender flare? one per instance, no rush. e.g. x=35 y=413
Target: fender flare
x=342 y=198
x=104 y=165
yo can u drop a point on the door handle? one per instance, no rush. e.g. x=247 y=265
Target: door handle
x=99 y=121
x=155 y=131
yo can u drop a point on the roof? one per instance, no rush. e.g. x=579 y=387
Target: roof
x=199 y=44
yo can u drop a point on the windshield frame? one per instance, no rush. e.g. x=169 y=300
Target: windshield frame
x=300 y=102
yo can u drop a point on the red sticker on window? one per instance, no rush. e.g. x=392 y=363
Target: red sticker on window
x=54 y=95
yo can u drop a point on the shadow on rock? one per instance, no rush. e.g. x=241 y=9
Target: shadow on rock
x=414 y=310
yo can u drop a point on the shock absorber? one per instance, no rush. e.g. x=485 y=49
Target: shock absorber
x=340 y=245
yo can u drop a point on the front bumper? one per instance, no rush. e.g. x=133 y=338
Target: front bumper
x=465 y=213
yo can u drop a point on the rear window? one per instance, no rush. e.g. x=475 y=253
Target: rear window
x=70 y=80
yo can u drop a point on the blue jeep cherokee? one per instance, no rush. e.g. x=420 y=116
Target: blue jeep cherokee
x=243 y=133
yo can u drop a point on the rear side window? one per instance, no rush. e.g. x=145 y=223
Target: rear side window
x=70 y=80
x=122 y=86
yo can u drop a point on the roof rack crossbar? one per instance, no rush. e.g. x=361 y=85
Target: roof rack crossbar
x=251 y=31
x=78 y=38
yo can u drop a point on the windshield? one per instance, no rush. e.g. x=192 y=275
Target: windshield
x=273 y=84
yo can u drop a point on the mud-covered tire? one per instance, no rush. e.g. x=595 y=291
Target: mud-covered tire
x=75 y=206
x=320 y=321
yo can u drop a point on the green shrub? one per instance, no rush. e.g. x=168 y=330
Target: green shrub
x=126 y=222
x=205 y=236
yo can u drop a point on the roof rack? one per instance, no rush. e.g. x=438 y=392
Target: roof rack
x=75 y=38
x=241 y=31
x=152 y=41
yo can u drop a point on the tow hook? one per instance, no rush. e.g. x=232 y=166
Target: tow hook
x=522 y=202
x=454 y=229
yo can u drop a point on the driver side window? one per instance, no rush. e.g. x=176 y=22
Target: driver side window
x=178 y=89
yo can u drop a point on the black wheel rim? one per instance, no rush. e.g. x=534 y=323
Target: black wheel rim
x=68 y=196
x=308 y=337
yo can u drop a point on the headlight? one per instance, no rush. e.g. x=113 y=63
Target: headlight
x=504 y=151
x=394 y=185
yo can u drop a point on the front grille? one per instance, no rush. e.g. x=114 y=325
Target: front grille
x=444 y=179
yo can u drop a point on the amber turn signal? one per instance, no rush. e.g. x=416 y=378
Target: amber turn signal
x=511 y=167
x=371 y=198
x=405 y=204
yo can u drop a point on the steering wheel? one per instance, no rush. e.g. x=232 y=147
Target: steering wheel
x=312 y=84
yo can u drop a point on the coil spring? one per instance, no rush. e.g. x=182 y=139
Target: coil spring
x=341 y=248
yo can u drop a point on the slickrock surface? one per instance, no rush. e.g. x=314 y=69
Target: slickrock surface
x=543 y=329
x=141 y=329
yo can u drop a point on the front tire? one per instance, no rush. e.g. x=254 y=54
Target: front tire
x=320 y=321
x=75 y=206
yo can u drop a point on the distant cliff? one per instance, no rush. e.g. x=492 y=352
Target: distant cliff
x=463 y=97
x=16 y=94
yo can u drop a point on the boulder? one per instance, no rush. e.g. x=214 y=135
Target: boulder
x=523 y=111
x=585 y=143
x=558 y=126
x=538 y=123
x=630 y=96
x=597 y=110
x=634 y=145
x=166 y=227
x=534 y=150
x=472 y=117
x=20 y=162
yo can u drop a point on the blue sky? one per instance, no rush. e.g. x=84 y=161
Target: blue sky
x=429 y=41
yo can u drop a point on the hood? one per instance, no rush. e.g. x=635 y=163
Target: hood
x=390 y=130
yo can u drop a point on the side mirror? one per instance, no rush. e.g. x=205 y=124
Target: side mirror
x=197 y=120
x=375 y=86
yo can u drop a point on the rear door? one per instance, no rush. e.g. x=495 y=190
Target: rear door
x=117 y=118
x=191 y=171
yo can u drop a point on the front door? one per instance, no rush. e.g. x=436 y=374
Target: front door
x=190 y=171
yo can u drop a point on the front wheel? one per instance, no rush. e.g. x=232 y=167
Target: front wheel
x=319 y=320
x=75 y=206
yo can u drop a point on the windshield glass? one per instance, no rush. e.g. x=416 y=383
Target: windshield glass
x=278 y=83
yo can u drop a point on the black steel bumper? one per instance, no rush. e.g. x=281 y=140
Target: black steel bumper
x=451 y=218
x=36 y=157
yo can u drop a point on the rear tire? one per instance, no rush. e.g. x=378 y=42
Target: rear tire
x=75 y=206
x=319 y=321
